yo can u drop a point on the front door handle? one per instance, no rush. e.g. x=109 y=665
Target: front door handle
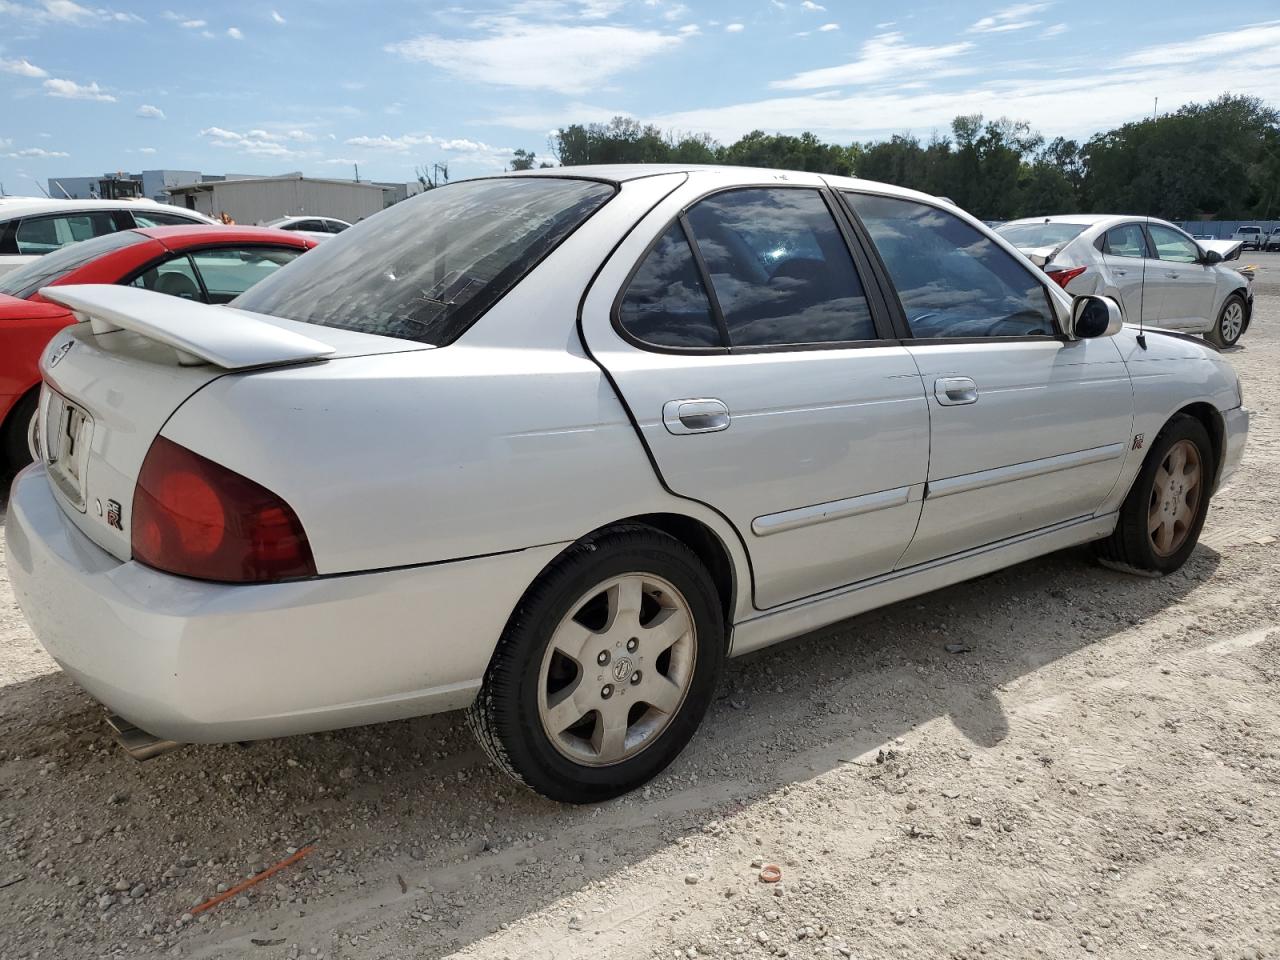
x=955 y=391
x=1121 y=273
x=705 y=415
x=1174 y=276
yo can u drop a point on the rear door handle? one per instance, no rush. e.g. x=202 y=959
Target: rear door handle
x=706 y=415
x=1174 y=276
x=1121 y=273
x=955 y=391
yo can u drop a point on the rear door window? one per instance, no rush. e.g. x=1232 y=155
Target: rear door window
x=952 y=279
x=780 y=269
x=40 y=235
x=666 y=304
x=175 y=277
x=1127 y=240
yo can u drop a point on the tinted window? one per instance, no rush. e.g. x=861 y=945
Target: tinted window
x=41 y=235
x=427 y=268
x=1040 y=234
x=780 y=268
x=1171 y=245
x=229 y=271
x=174 y=277
x=1128 y=240
x=335 y=226
x=953 y=280
x=665 y=303
x=29 y=278
x=151 y=218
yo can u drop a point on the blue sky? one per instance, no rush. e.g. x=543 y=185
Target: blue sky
x=317 y=85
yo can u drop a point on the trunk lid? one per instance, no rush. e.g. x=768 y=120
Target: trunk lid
x=113 y=379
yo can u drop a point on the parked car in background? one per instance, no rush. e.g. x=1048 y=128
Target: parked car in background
x=206 y=264
x=31 y=227
x=1161 y=276
x=1273 y=239
x=1250 y=237
x=552 y=447
x=320 y=228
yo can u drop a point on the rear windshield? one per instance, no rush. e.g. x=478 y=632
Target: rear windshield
x=1249 y=230
x=427 y=268
x=1028 y=235
x=27 y=279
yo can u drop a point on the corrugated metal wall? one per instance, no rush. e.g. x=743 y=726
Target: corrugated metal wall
x=257 y=201
x=1222 y=229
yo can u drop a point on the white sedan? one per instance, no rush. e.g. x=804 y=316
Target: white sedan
x=317 y=228
x=1161 y=275
x=551 y=446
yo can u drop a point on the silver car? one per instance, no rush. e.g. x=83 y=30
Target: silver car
x=551 y=446
x=1161 y=275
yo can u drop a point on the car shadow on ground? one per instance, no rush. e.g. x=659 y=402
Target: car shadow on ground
x=412 y=813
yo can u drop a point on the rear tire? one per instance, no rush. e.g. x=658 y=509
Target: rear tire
x=15 y=452
x=1230 y=324
x=1161 y=518
x=605 y=669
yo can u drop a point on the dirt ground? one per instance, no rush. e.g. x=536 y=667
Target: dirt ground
x=1097 y=775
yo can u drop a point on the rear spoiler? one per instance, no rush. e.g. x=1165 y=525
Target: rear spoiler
x=199 y=332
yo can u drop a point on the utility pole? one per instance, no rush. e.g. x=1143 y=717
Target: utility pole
x=357 y=166
x=1155 y=111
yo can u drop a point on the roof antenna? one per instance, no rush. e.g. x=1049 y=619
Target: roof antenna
x=1146 y=239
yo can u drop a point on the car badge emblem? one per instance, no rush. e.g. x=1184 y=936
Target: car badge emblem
x=113 y=515
x=61 y=352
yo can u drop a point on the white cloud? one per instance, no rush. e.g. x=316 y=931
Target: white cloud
x=35 y=153
x=1017 y=17
x=149 y=112
x=460 y=149
x=277 y=18
x=193 y=24
x=63 y=12
x=882 y=58
x=147 y=150
x=1056 y=30
x=1257 y=36
x=689 y=30
x=828 y=27
x=734 y=28
x=70 y=90
x=22 y=68
x=235 y=33
x=561 y=57
x=257 y=142
x=810 y=5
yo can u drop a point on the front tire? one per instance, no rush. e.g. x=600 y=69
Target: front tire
x=1230 y=323
x=1163 y=514
x=605 y=669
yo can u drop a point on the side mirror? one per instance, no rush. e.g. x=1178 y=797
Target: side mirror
x=1095 y=317
x=1211 y=257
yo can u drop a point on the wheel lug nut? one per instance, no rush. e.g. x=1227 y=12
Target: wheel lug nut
x=603 y=658
x=632 y=644
x=606 y=691
x=635 y=677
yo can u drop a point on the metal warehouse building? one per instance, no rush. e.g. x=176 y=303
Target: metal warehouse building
x=259 y=199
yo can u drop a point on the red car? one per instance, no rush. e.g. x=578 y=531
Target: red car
x=212 y=264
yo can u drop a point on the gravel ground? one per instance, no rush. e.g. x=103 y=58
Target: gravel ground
x=1097 y=775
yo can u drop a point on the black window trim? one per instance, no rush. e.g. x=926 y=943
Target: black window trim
x=899 y=315
x=862 y=269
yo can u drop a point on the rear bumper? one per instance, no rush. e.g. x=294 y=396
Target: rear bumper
x=205 y=662
x=1235 y=433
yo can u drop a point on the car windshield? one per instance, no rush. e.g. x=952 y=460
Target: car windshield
x=27 y=279
x=1027 y=235
x=429 y=267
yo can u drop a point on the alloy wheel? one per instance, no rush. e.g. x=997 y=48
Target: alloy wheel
x=617 y=669
x=1175 y=498
x=1232 y=321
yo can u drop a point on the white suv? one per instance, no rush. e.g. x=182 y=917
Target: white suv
x=30 y=227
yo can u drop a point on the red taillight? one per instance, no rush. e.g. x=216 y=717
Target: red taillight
x=196 y=518
x=1062 y=276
